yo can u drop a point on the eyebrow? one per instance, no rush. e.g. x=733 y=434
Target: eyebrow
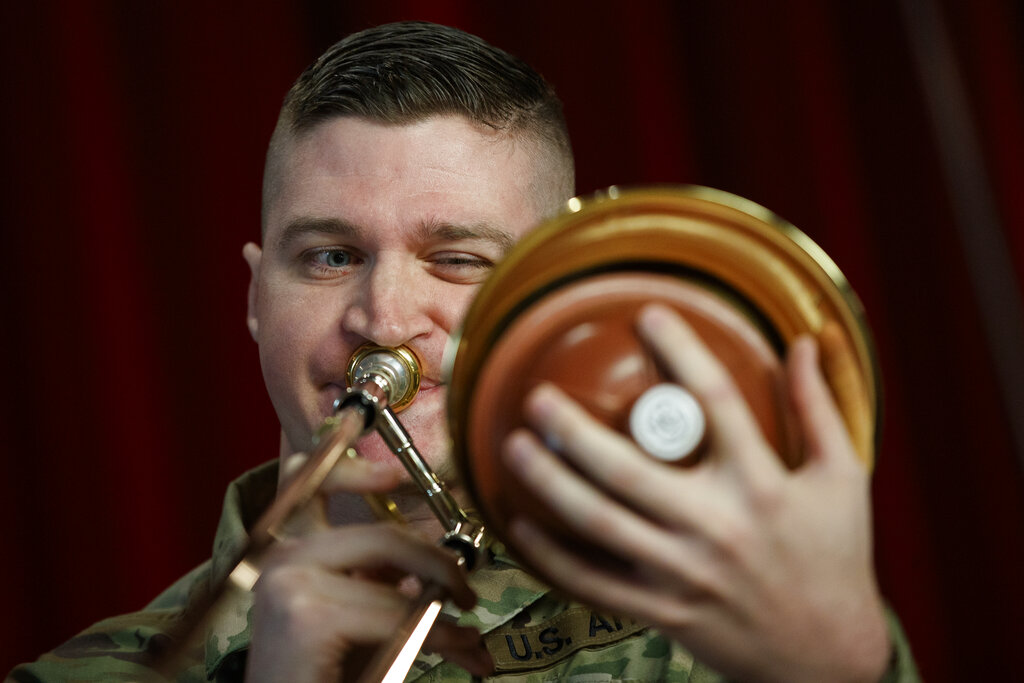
x=307 y=225
x=432 y=231
x=477 y=231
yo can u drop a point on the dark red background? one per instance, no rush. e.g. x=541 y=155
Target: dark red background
x=132 y=143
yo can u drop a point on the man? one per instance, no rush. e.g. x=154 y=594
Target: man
x=407 y=161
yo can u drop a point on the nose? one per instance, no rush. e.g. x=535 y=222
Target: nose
x=388 y=306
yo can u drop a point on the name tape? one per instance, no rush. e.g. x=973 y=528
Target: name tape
x=545 y=644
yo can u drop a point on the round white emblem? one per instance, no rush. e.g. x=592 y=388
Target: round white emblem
x=667 y=422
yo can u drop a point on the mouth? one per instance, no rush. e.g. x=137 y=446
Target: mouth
x=335 y=390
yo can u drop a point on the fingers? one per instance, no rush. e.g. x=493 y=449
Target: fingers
x=822 y=425
x=298 y=593
x=600 y=588
x=375 y=546
x=733 y=428
x=361 y=611
x=307 y=620
x=605 y=456
x=460 y=645
x=593 y=515
x=842 y=371
x=319 y=596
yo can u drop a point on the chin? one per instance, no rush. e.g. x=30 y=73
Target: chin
x=433 y=450
x=424 y=421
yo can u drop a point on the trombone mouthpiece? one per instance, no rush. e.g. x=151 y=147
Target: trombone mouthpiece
x=395 y=370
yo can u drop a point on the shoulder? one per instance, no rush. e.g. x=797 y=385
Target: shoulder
x=118 y=648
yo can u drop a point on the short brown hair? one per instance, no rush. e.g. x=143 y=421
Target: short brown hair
x=408 y=71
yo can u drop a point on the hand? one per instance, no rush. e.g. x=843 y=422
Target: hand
x=322 y=596
x=762 y=573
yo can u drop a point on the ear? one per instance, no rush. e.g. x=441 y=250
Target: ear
x=253 y=255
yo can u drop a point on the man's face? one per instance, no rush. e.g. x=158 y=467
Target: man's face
x=379 y=233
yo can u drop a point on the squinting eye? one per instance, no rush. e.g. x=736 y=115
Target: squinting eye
x=461 y=268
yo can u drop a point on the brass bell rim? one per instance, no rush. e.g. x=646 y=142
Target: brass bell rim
x=817 y=289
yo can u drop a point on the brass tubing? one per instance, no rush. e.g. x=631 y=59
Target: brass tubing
x=339 y=433
x=388 y=374
x=441 y=502
x=343 y=429
x=393 y=661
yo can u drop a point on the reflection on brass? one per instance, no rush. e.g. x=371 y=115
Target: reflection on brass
x=382 y=507
x=274 y=524
x=392 y=662
x=562 y=305
x=397 y=370
x=376 y=377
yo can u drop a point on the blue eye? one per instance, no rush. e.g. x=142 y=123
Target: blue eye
x=328 y=262
x=337 y=258
x=330 y=257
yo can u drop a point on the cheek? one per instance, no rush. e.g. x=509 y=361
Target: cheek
x=282 y=346
x=285 y=327
x=449 y=307
x=293 y=330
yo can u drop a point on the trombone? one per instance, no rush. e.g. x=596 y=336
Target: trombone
x=381 y=382
x=560 y=308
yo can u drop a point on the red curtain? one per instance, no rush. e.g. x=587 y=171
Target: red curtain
x=132 y=144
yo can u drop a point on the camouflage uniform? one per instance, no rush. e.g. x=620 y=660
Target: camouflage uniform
x=534 y=636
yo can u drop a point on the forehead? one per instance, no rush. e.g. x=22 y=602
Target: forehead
x=389 y=178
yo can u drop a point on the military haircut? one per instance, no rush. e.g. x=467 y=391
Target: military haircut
x=406 y=72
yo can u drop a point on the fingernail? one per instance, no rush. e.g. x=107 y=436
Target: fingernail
x=543 y=402
x=516 y=449
x=654 y=317
x=542 y=399
x=806 y=341
x=815 y=349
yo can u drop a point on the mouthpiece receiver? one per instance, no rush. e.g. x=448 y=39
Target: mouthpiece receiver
x=395 y=370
